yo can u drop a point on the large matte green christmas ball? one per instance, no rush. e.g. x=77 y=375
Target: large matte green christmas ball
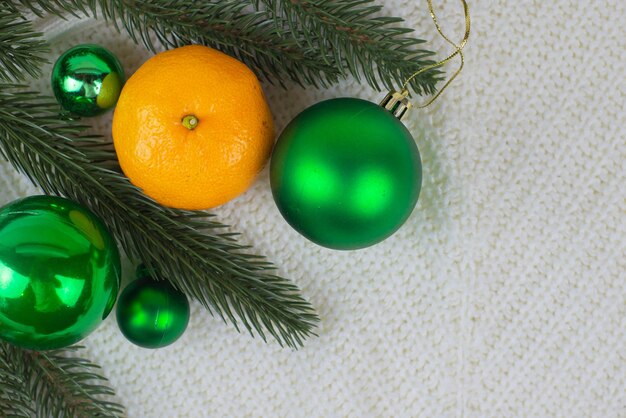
x=87 y=80
x=59 y=272
x=346 y=173
x=152 y=314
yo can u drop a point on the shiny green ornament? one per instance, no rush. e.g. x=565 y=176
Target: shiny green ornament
x=59 y=272
x=152 y=314
x=87 y=80
x=346 y=173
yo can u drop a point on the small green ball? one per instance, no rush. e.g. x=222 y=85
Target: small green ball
x=152 y=314
x=87 y=80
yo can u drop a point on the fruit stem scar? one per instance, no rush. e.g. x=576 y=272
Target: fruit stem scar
x=190 y=122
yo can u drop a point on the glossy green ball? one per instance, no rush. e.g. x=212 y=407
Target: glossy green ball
x=346 y=173
x=87 y=80
x=59 y=272
x=152 y=314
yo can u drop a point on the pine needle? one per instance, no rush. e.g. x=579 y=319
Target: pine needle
x=228 y=25
x=358 y=39
x=53 y=384
x=312 y=42
x=21 y=49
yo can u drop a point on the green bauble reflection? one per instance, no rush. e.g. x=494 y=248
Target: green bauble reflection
x=346 y=173
x=87 y=80
x=59 y=272
x=152 y=314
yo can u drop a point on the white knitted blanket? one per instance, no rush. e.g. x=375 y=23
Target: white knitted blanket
x=504 y=295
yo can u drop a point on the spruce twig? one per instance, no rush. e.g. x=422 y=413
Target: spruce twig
x=53 y=384
x=15 y=400
x=183 y=246
x=358 y=39
x=314 y=42
x=21 y=49
x=228 y=25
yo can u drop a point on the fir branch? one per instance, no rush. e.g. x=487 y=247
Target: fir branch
x=53 y=384
x=250 y=36
x=15 y=400
x=315 y=42
x=358 y=39
x=21 y=50
x=182 y=246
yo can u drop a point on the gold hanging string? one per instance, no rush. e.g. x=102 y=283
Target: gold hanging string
x=458 y=51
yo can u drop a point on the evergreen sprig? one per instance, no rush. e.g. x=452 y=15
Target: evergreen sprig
x=54 y=383
x=15 y=400
x=354 y=36
x=191 y=251
x=313 y=42
x=228 y=25
x=21 y=49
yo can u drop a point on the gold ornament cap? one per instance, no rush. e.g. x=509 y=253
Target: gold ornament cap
x=397 y=102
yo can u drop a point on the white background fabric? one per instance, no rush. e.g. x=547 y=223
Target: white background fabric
x=504 y=295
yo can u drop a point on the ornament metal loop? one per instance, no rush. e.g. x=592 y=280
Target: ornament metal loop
x=397 y=102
